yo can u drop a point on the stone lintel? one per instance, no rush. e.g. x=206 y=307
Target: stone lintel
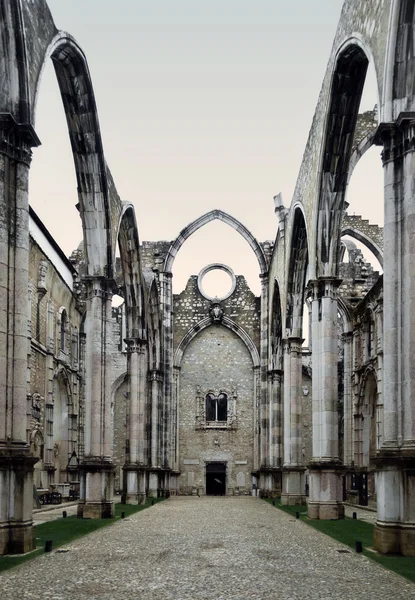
x=326 y=465
x=293 y=468
x=399 y=459
x=97 y=464
x=17 y=458
x=138 y=467
x=268 y=469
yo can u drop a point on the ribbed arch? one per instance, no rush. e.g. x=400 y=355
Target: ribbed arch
x=346 y=92
x=297 y=273
x=204 y=220
x=79 y=104
x=131 y=268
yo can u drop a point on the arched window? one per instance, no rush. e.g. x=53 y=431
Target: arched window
x=63 y=329
x=216 y=407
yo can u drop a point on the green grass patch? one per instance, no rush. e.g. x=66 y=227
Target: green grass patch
x=62 y=531
x=348 y=531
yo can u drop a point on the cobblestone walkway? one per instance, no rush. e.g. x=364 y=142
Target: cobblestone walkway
x=204 y=548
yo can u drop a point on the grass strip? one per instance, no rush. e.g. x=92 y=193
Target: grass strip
x=62 y=531
x=347 y=531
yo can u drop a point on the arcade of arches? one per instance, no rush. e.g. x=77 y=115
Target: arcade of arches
x=197 y=394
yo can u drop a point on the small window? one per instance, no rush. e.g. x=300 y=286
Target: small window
x=64 y=325
x=216 y=408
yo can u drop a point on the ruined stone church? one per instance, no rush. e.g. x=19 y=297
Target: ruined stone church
x=197 y=394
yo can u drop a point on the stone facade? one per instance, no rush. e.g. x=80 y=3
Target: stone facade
x=55 y=412
x=216 y=360
x=362 y=330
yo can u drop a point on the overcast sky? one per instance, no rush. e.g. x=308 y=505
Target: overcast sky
x=203 y=104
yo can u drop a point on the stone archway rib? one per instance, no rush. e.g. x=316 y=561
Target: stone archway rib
x=204 y=220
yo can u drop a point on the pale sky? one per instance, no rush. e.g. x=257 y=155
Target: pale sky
x=203 y=104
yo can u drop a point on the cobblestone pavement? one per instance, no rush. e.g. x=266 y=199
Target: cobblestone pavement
x=204 y=548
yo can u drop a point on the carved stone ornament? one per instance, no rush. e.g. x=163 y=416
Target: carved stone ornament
x=56 y=450
x=36 y=405
x=216 y=312
x=306 y=391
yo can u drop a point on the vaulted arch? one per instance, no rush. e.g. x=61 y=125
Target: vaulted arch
x=131 y=268
x=79 y=104
x=275 y=346
x=297 y=273
x=204 y=220
x=155 y=328
x=346 y=92
x=362 y=237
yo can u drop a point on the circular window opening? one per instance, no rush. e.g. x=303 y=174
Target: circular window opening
x=216 y=282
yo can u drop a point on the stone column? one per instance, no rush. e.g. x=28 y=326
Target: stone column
x=16 y=463
x=166 y=432
x=264 y=400
x=326 y=491
x=155 y=382
x=348 y=450
x=395 y=481
x=135 y=467
x=293 y=485
x=256 y=452
x=97 y=467
x=275 y=430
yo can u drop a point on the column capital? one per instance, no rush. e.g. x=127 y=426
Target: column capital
x=324 y=287
x=155 y=375
x=17 y=139
x=275 y=375
x=101 y=287
x=397 y=138
x=293 y=344
x=135 y=345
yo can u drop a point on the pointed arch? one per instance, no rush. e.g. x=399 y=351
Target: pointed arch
x=131 y=269
x=154 y=324
x=297 y=274
x=275 y=346
x=346 y=91
x=206 y=322
x=204 y=220
x=363 y=238
x=79 y=104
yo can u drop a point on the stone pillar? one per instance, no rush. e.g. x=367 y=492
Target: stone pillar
x=166 y=431
x=293 y=484
x=16 y=463
x=97 y=467
x=348 y=449
x=395 y=480
x=155 y=382
x=275 y=429
x=256 y=452
x=264 y=399
x=135 y=467
x=326 y=491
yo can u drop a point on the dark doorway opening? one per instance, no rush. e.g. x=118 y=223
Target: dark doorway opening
x=216 y=479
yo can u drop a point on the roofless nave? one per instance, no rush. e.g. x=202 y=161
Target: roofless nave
x=222 y=397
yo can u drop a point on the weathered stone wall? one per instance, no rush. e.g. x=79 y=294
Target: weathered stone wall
x=190 y=307
x=120 y=432
x=216 y=359
x=54 y=369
